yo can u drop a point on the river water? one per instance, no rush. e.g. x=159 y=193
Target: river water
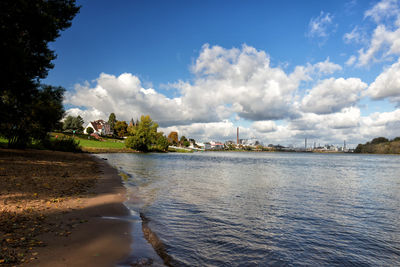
x=268 y=209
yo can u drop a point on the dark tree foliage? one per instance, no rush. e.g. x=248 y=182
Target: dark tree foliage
x=26 y=28
x=40 y=116
x=379 y=140
x=112 y=120
x=89 y=130
x=72 y=123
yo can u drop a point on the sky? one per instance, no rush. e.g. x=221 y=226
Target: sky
x=281 y=71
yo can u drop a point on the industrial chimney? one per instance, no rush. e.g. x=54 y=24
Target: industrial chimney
x=237 y=136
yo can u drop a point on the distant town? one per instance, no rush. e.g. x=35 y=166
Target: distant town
x=255 y=145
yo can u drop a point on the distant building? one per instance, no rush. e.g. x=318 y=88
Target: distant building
x=249 y=142
x=207 y=146
x=216 y=145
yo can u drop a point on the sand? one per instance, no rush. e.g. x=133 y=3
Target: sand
x=52 y=209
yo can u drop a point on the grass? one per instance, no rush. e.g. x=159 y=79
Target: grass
x=179 y=150
x=3 y=142
x=93 y=145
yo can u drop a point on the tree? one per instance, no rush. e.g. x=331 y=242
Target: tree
x=173 y=138
x=44 y=113
x=89 y=130
x=120 y=128
x=162 y=143
x=112 y=120
x=27 y=26
x=184 y=142
x=143 y=136
x=379 y=140
x=72 y=123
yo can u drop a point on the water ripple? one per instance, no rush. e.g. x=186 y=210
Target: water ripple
x=269 y=209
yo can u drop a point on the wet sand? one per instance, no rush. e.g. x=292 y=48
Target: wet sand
x=52 y=206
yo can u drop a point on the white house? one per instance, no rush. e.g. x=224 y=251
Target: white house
x=100 y=127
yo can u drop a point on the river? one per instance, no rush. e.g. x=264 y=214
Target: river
x=268 y=209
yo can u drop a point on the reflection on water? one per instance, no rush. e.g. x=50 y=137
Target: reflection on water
x=235 y=209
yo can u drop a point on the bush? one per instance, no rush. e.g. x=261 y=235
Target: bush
x=89 y=130
x=66 y=144
x=137 y=142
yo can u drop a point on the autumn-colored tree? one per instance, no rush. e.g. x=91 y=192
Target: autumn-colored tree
x=120 y=128
x=173 y=138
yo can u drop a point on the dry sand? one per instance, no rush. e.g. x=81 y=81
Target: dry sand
x=52 y=206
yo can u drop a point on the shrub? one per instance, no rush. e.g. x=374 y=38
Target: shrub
x=66 y=144
x=89 y=130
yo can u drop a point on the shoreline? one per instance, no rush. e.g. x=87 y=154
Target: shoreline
x=61 y=209
x=101 y=241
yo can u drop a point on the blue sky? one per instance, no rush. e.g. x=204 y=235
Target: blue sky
x=282 y=70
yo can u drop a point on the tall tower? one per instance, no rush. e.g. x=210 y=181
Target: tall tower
x=237 y=136
x=344 y=145
x=305 y=144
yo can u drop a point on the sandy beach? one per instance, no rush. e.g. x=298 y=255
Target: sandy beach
x=52 y=209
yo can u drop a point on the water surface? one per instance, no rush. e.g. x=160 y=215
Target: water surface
x=283 y=209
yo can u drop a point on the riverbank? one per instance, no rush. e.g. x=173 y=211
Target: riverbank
x=51 y=209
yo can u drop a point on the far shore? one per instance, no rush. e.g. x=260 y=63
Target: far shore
x=52 y=209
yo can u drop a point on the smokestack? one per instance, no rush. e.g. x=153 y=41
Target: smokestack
x=305 y=143
x=237 y=135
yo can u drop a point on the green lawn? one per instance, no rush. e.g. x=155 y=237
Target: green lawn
x=100 y=144
x=3 y=141
x=84 y=142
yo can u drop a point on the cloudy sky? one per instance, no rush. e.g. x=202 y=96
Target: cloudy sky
x=282 y=71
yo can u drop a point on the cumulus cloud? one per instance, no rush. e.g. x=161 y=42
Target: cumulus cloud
x=227 y=82
x=321 y=26
x=327 y=67
x=387 y=84
x=201 y=132
x=331 y=95
x=384 y=42
x=264 y=126
x=125 y=96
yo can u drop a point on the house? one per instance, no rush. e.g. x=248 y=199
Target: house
x=100 y=127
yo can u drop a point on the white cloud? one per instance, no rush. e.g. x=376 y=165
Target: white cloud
x=383 y=43
x=356 y=35
x=387 y=84
x=327 y=67
x=331 y=95
x=227 y=81
x=382 y=10
x=321 y=26
x=202 y=132
x=264 y=126
x=351 y=60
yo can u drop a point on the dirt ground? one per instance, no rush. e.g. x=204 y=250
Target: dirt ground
x=51 y=208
